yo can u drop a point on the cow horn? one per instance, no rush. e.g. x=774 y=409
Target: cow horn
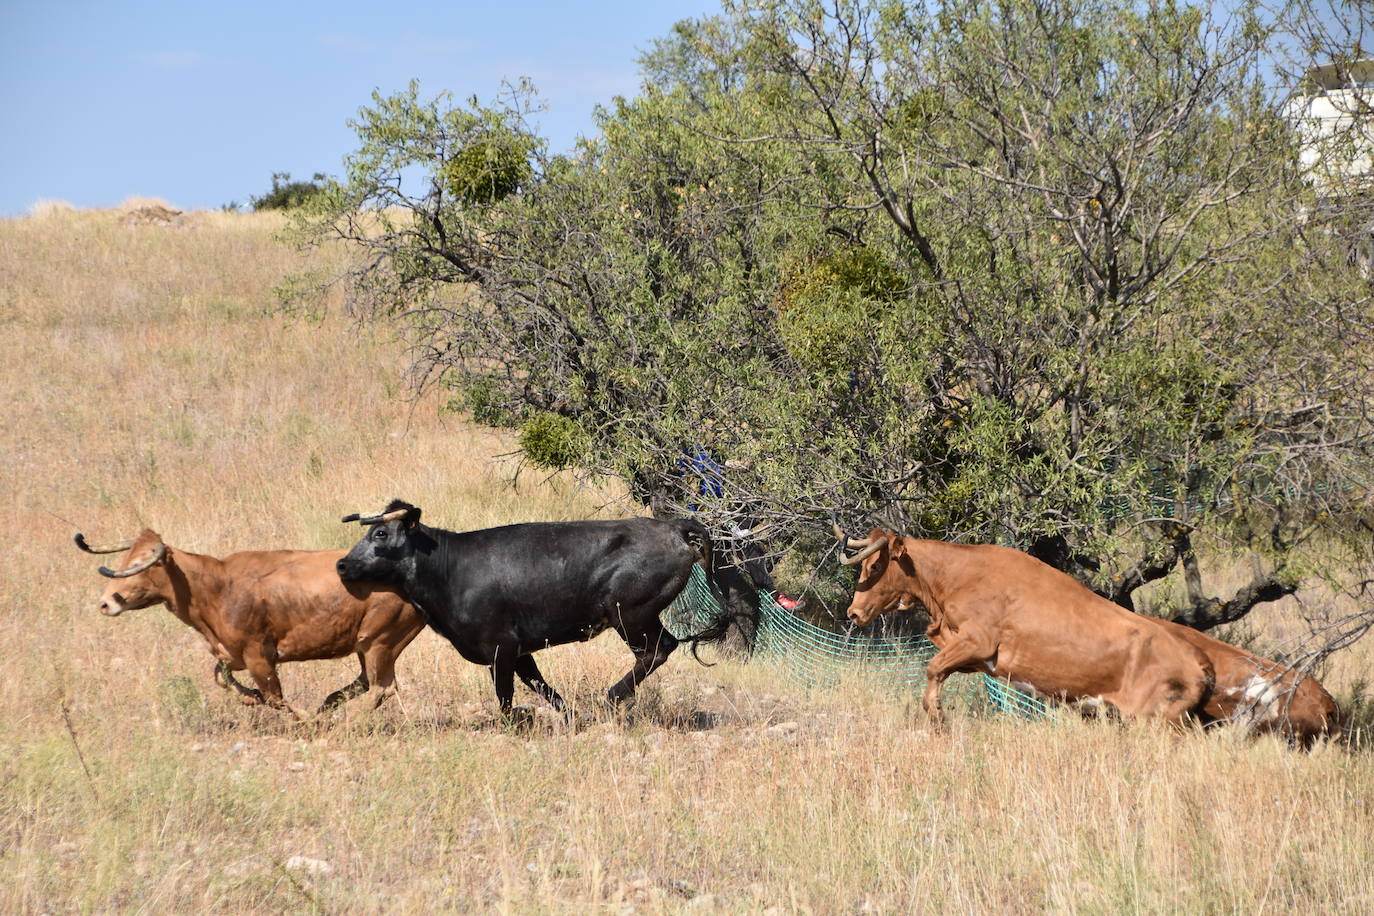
x=863 y=554
x=849 y=541
x=375 y=519
x=159 y=552
x=869 y=546
x=81 y=542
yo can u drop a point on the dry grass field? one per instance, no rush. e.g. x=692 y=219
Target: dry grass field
x=147 y=382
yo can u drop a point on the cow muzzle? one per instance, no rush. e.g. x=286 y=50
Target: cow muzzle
x=112 y=605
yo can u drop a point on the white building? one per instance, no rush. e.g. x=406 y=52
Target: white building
x=1334 y=114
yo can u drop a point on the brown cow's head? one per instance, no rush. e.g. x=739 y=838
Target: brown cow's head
x=884 y=585
x=141 y=580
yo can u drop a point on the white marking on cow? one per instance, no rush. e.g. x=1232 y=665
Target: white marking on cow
x=1262 y=695
x=992 y=669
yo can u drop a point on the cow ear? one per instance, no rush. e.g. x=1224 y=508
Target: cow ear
x=896 y=547
x=412 y=516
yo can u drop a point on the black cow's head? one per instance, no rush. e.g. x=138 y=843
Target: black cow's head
x=385 y=551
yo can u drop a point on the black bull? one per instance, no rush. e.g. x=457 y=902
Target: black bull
x=500 y=594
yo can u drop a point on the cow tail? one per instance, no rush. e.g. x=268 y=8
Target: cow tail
x=724 y=615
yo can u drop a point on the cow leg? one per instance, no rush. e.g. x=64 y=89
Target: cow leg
x=965 y=649
x=503 y=679
x=529 y=673
x=378 y=674
x=380 y=662
x=1171 y=691
x=357 y=688
x=224 y=677
x=381 y=657
x=651 y=648
x=264 y=674
x=1171 y=698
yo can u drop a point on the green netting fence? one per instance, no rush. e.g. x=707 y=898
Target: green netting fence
x=818 y=657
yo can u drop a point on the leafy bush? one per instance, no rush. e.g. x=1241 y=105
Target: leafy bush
x=182 y=702
x=488 y=169
x=290 y=195
x=553 y=442
x=486 y=402
x=828 y=305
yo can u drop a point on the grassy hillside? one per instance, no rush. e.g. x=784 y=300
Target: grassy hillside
x=147 y=383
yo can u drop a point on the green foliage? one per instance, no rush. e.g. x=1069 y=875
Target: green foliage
x=553 y=442
x=289 y=195
x=488 y=169
x=484 y=399
x=986 y=272
x=828 y=307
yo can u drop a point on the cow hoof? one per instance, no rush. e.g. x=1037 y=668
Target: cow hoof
x=251 y=698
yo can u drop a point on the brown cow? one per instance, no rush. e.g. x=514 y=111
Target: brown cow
x=259 y=608
x=1002 y=611
x=1263 y=694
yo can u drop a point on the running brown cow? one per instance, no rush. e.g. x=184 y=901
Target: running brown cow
x=1263 y=694
x=260 y=608
x=1002 y=611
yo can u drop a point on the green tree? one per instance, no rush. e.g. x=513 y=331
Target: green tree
x=286 y=194
x=1039 y=272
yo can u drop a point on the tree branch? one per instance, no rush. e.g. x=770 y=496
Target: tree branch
x=1206 y=613
x=1159 y=560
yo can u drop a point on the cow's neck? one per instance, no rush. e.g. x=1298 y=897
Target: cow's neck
x=930 y=578
x=428 y=577
x=197 y=583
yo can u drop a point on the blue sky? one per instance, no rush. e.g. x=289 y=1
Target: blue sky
x=199 y=103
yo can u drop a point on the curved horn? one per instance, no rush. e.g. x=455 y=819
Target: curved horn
x=849 y=541
x=863 y=554
x=375 y=519
x=81 y=542
x=159 y=552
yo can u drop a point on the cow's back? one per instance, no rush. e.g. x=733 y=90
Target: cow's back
x=578 y=560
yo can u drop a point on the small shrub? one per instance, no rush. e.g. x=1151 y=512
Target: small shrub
x=289 y=195
x=553 y=442
x=487 y=170
x=1357 y=711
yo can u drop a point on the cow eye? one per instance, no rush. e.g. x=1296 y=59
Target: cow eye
x=379 y=534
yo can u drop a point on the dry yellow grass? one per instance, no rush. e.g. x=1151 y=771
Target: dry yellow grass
x=147 y=383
